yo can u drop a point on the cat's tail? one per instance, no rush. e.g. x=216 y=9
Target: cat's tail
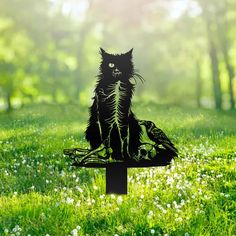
x=135 y=132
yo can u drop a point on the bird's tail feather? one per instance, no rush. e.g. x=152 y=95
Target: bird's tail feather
x=171 y=147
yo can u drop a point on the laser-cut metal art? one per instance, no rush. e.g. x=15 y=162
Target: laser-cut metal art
x=114 y=132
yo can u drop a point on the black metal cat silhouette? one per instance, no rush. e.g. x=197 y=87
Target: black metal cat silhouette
x=112 y=122
x=114 y=132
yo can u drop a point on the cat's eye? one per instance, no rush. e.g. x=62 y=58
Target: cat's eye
x=111 y=65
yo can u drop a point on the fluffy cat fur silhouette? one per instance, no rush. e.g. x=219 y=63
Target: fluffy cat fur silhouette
x=111 y=120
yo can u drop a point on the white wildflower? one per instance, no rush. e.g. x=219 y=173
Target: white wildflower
x=119 y=200
x=152 y=231
x=79 y=189
x=69 y=200
x=74 y=232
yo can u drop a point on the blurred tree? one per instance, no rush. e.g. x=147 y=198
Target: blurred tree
x=198 y=83
x=220 y=19
x=49 y=66
x=223 y=26
x=12 y=59
x=83 y=32
x=208 y=13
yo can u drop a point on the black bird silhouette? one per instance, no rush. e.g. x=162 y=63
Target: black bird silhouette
x=158 y=136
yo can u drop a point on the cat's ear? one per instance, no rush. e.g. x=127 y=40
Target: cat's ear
x=102 y=52
x=129 y=53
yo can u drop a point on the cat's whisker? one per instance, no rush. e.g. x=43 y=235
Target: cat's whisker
x=139 y=77
x=134 y=79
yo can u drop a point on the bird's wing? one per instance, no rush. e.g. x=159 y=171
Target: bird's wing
x=170 y=146
x=164 y=140
x=160 y=134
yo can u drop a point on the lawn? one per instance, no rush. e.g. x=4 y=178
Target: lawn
x=41 y=194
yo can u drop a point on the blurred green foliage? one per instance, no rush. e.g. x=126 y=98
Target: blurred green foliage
x=185 y=49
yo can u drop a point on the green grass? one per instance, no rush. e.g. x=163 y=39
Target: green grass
x=40 y=193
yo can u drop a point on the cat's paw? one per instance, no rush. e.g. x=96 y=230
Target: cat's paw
x=109 y=151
